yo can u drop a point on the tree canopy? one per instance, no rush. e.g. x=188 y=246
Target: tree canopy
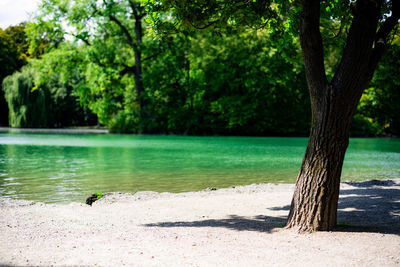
x=182 y=90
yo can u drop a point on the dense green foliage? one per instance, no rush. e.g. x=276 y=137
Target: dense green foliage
x=247 y=90
x=379 y=110
x=13 y=48
x=45 y=104
x=236 y=87
x=58 y=74
x=38 y=95
x=27 y=108
x=229 y=80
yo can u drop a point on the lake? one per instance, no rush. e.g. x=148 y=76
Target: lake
x=61 y=168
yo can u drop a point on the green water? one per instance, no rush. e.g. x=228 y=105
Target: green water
x=63 y=168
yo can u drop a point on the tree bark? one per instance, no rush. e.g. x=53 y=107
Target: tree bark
x=138 y=61
x=315 y=200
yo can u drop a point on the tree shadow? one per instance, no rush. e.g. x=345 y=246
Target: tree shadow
x=364 y=208
x=370 y=207
x=285 y=208
x=239 y=223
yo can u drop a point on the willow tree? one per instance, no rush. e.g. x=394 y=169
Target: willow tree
x=27 y=108
x=365 y=27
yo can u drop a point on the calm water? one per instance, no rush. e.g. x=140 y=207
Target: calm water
x=65 y=168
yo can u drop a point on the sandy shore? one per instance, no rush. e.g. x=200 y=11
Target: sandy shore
x=240 y=226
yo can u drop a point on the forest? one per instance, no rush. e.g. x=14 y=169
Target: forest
x=130 y=67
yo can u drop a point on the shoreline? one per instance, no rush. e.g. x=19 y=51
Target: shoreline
x=90 y=130
x=54 y=130
x=225 y=227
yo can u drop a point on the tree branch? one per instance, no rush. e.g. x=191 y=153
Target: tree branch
x=336 y=35
x=350 y=75
x=86 y=41
x=127 y=69
x=152 y=56
x=137 y=10
x=381 y=39
x=311 y=44
x=205 y=26
x=124 y=30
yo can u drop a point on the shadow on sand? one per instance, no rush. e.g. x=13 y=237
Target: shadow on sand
x=258 y=223
x=371 y=207
x=362 y=208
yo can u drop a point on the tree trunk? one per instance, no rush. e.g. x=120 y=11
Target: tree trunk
x=333 y=104
x=138 y=62
x=315 y=200
x=138 y=13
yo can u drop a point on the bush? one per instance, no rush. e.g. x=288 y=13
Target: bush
x=123 y=122
x=363 y=126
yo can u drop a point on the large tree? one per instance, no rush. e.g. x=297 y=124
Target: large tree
x=365 y=27
x=333 y=104
x=111 y=30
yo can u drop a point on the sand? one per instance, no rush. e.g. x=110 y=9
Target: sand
x=241 y=226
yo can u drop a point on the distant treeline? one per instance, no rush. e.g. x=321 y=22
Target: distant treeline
x=233 y=82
